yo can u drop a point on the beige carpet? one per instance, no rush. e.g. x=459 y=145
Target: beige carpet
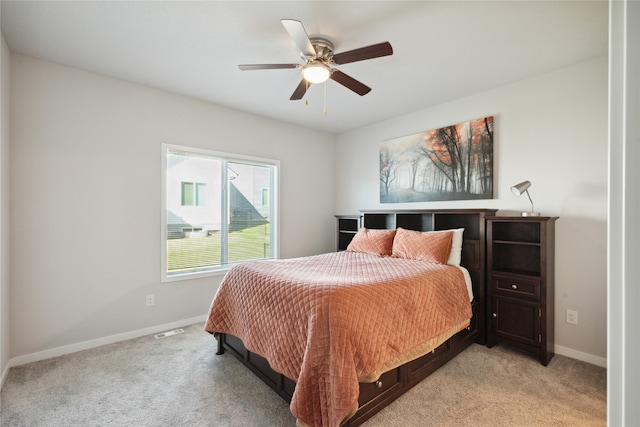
x=179 y=381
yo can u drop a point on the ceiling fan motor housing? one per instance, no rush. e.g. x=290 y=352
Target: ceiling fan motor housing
x=323 y=48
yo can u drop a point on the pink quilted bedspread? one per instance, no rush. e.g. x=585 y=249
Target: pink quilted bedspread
x=327 y=321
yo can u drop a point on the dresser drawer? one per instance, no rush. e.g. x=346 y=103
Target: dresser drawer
x=516 y=286
x=387 y=383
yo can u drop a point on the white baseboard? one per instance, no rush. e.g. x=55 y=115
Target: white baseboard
x=578 y=355
x=60 y=351
x=72 y=348
x=5 y=372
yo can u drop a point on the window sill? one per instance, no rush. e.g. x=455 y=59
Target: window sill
x=195 y=275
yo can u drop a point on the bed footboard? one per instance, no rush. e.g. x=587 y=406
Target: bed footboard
x=373 y=396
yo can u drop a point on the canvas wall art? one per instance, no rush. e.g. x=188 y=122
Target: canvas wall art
x=450 y=163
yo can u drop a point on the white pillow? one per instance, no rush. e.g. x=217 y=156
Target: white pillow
x=455 y=255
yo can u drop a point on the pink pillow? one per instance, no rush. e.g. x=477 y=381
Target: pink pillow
x=370 y=241
x=430 y=246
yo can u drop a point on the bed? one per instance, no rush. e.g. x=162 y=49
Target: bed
x=352 y=327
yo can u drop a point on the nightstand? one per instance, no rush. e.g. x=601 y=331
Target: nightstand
x=520 y=260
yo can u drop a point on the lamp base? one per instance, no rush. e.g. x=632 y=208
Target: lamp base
x=530 y=214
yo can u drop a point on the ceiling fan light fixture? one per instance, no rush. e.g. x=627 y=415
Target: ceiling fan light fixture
x=316 y=72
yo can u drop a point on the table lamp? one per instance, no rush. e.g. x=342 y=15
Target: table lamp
x=523 y=187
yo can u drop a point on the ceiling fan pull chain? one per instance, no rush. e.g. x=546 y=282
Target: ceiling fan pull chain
x=306 y=84
x=325 y=98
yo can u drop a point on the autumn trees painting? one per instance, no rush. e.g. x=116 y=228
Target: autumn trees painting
x=450 y=163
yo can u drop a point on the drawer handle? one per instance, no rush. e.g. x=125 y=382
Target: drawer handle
x=514 y=286
x=379 y=384
x=495 y=315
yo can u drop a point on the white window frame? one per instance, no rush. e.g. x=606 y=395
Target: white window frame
x=273 y=201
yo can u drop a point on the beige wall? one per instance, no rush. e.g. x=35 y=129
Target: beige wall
x=86 y=236
x=5 y=91
x=551 y=130
x=86 y=175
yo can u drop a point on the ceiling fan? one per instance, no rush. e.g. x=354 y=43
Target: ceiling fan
x=318 y=56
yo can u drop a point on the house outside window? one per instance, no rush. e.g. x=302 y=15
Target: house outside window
x=218 y=209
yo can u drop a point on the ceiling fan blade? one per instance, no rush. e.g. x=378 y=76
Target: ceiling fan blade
x=246 y=67
x=350 y=83
x=299 y=35
x=300 y=91
x=368 y=52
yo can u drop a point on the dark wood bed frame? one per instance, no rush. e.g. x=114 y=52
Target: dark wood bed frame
x=394 y=383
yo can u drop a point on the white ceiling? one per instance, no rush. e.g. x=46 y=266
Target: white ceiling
x=443 y=50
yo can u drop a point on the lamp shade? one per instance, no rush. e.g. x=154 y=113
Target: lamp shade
x=523 y=187
x=316 y=72
x=518 y=189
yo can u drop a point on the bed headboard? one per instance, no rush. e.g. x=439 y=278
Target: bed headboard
x=473 y=245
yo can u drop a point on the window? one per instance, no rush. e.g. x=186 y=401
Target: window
x=218 y=209
x=192 y=193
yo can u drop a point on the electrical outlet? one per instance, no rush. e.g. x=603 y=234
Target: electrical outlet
x=150 y=300
x=572 y=317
